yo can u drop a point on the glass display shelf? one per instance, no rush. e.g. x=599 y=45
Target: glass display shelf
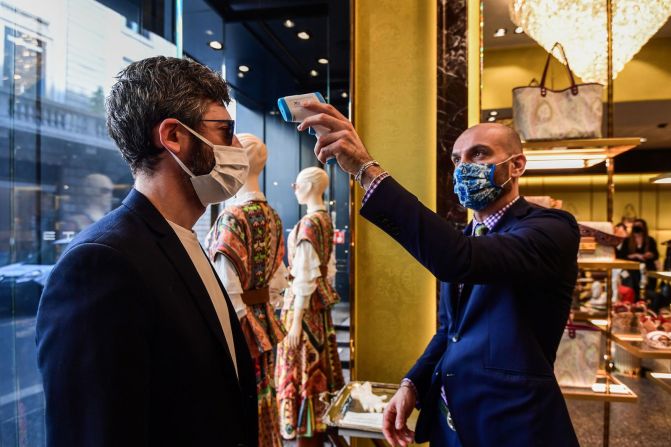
x=664 y=276
x=575 y=153
x=632 y=342
x=607 y=388
x=587 y=314
x=663 y=380
x=608 y=264
x=610 y=147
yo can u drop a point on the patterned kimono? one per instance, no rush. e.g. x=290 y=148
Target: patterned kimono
x=250 y=236
x=306 y=375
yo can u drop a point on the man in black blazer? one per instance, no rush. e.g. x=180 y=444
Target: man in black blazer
x=486 y=378
x=138 y=344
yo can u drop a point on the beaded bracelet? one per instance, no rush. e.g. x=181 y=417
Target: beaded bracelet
x=362 y=169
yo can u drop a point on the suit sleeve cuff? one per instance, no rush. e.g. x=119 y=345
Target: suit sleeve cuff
x=410 y=384
x=373 y=186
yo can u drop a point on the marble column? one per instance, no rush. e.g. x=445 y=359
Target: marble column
x=452 y=113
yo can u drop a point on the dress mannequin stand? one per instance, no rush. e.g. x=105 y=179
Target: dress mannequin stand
x=246 y=246
x=308 y=365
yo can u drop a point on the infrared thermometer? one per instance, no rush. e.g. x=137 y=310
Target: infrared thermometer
x=293 y=112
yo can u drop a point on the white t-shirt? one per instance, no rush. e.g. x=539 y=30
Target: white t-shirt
x=204 y=268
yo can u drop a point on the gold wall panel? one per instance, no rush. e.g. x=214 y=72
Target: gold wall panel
x=394 y=312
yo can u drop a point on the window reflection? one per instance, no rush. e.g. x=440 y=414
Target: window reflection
x=59 y=171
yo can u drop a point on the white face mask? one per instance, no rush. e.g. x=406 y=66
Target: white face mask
x=231 y=167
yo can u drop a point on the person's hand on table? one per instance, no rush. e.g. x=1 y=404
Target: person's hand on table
x=342 y=141
x=394 y=423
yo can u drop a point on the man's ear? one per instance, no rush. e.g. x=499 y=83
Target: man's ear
x=519 y=165
x=169 y=134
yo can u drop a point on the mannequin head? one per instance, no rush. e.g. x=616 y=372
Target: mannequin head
x=310 y=186
x=257 y=153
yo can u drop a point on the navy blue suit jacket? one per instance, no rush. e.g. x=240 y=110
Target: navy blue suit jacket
x=130 y=347
x=496 y=343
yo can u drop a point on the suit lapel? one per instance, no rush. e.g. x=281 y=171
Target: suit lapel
x=176 y=253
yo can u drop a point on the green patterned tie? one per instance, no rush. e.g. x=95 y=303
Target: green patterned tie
x=480 y=229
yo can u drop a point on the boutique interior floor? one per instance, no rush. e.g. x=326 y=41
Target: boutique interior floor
x=646 y=423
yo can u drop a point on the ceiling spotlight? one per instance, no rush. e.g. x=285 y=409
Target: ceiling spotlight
x=519 y=30
x=500 y=32
x=314 y=73
x=491 y=119
x=303 y=35
x=323 y=61
x=493 y=113
x=209 y=32
x=344 y=95
x=288 y=23
x=17 y=77
x=243 y=68
x=241 y=75
x=216 y=45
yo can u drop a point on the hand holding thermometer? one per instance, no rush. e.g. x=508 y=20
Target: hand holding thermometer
x=293 y=112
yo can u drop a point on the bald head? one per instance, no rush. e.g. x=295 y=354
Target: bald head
x=497 y=136
x=486 y=143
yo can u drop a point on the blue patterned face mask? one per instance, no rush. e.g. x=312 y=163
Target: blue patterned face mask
x=475 y=186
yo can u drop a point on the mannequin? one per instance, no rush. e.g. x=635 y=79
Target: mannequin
x=246 y=246
x=308 y=366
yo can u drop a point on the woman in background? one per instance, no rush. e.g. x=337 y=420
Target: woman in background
x=640 y=247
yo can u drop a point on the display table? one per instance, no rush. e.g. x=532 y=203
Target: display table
x=338 y=436
x=345 y=417
x=607 y=396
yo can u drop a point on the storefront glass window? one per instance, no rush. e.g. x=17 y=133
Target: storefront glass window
x=59 y=170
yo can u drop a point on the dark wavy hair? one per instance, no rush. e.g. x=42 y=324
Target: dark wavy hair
x=151 y=90
x=646 y=237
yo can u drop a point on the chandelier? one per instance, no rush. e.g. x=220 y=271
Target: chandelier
x=580 y=26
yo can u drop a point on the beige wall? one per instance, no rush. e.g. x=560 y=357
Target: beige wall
x=585 y=197
x=646 y=77
x=395 y=114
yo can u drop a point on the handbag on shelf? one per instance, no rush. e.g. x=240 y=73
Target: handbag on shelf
x=540 y=113
x=577 y=359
